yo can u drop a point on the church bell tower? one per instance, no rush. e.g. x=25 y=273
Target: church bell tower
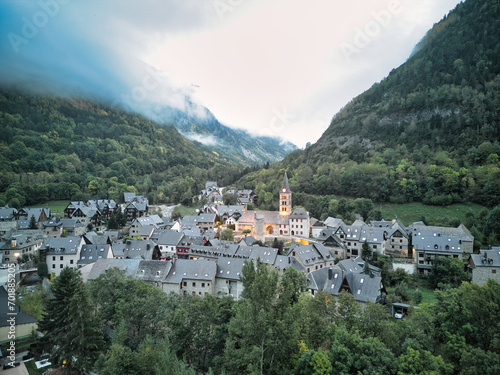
x=285 y=198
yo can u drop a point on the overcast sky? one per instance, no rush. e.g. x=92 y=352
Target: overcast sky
x=273 y=67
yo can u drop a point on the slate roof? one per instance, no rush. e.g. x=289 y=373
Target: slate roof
x=332 y=222
x=311 y=254
x=283 y=262
x=91 y=253
x=229 y=210
x=299 y=213
x=36 y=212
x=230 y=268
x=248 y=240
x=21 y=316
x=7 y=213
x=364 y=287
x=101 y=204
x=440 y=239
x=266 y=254
x=150 y=220
x=372 y=235
x=486 y=258
x=128 y=197
x=194 y=220
x=71 y=223
x=130 y=267
x=153 y=270
x=183 y=269
x=350 y=265
x=329 y=279
x=169 y=238
x=64 y=245
x=139 y=249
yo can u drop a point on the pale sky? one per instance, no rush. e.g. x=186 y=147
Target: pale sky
x=273 y=67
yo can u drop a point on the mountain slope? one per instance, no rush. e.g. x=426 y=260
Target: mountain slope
x=198 y=124
x=427 y=132
x=55 y=148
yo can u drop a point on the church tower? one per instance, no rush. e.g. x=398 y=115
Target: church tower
x=285 y=198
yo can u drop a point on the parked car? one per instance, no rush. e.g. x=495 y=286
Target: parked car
x=399 y=314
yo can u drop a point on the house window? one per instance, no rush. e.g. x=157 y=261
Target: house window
x=194 y=284
x=61 y=266
x=185 y=283
x=493 y=271
x=374 y=246
x=354 y=252
x=53 y=266
x=61 y=258
x=71 y=261
x=202 y=285
x=53 y=258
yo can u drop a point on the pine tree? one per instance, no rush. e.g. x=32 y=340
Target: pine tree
x=72 y=332
x=33 y=224
x=366 y=251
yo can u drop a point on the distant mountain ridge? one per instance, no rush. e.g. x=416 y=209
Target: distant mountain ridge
x=198 y=124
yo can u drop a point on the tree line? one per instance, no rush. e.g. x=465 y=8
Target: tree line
x=118 y=325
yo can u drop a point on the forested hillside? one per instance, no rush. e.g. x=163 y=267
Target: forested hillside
x=54 y=148
x=428 y=132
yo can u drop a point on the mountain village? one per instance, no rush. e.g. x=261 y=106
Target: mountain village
x=187 y=256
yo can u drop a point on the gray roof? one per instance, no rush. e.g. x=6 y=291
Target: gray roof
x=128 y=197
x=199 y=269
x=311 y=254
x=329 y=279
x=71 y=223
x=333 y=222
x=150 y=220
x=63 y=245
x=350 y=265
x=169 y=238
x=194 y=220
x=21 y=316
x=101 y=204
x=102 y=265
x=229 y=210
x=7 y=213
x=91 y=253
x=299 y=213
x=153 y=270
x=229 y=268
x=248 y=240
x=36 y=212
x=372 y=235
x=364 y=287
x=283 y=262
x=486 y=258
x=440 y=239
x=266 y=254
x=139 y=249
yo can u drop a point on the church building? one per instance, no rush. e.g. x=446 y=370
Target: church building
x=282 y=223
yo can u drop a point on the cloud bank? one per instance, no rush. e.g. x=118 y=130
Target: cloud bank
x=273 y=67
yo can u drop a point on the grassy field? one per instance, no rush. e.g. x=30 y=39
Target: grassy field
x=411 y=212
x=56 y=207
x=183 y=210
x=427 y=294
